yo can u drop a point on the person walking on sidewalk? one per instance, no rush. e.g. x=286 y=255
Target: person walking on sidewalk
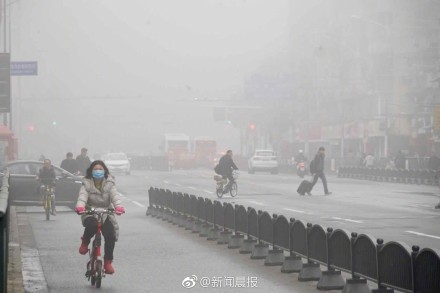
x=318 y=170
x=83 y=161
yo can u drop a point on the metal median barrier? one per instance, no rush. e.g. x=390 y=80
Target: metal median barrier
x=391 y=265
x=412 y=176
x=4 y=235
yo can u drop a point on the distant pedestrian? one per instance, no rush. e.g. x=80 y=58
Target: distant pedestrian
x=69 y=164
x=434 y=163
x=318 y=169
x=83 y=161
x=400 y=160
x=369 y=161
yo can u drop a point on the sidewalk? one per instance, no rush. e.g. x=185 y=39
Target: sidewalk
x=161 y=256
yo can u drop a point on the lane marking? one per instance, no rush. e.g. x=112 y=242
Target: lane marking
x=208 y=191
x=191 y=187
x=423 y=234
x=347 y=220
x=138 y=204
x=256 y=202
x=298 y=211
x=177 y=184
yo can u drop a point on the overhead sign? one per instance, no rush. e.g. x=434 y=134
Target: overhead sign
x=24 y=68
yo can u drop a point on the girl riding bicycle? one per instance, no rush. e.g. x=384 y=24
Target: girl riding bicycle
x=99 y=191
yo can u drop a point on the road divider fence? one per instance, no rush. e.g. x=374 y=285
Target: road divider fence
x=391 y=265
x=412 y=176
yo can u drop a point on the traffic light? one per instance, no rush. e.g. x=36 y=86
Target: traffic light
x=251 y=130
x=54 y=123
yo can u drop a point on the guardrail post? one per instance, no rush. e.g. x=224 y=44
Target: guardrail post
x=293 y=263
x=248 y=243
x=330 y=279
x=260 y=250
x=204 y=228
x=223 y=236
x=380 y=287
x=236 y=239
x=150 y=202
x=355 y=284
x=213 y=232
x=275 y=256
x=310 y=271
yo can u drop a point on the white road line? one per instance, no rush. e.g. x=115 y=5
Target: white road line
x=348 y=220
x=177 y=184
x=423 y=234
x=256 y=202
x=191 y=187
x=166 y=182
x=33 y=275
x=138 y=204
x=297 y=211
x=208 y=191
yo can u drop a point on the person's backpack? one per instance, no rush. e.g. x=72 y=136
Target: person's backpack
x=217 y=169
x=312 y=166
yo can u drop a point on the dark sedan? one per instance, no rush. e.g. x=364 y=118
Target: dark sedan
x=24 y=188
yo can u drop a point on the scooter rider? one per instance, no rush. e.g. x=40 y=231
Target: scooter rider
x=300 y=157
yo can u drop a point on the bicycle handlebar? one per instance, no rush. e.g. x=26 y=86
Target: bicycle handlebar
x=93 y=211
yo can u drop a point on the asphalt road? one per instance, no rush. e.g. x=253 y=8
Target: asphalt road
x=391 y=211
x=155 y=256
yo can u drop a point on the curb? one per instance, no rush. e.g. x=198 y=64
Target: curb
x=15 y=275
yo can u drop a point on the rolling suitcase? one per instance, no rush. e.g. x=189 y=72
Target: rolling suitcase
x=304 y=187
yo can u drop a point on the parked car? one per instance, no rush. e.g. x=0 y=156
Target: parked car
x=24 y=188
x=117 y=163
x=263 y=160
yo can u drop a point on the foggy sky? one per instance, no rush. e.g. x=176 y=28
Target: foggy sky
x=133 y=51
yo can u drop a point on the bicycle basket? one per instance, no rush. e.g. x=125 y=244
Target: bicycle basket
x=235 y=174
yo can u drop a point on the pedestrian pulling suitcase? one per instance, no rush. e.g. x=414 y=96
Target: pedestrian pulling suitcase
x=304 y=187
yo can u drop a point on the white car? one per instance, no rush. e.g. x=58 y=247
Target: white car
x=263 y=160
x=117 y=163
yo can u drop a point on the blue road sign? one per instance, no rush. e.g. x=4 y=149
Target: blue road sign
x=24 y=68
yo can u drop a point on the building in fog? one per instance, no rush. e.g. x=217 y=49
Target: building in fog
x=365 y=77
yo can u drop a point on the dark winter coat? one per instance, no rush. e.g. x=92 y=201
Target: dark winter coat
x=83 y=163
x=226 y=165
x=69 y=165
x=47 y=176
x=319 y=162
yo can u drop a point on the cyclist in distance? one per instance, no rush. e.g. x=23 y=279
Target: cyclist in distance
x=226 y=165
x=99 y=191
x=46 y=176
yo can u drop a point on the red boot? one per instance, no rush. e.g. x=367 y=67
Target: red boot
x=84 y=248
x=108 y=268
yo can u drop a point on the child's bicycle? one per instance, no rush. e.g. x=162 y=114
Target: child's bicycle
x=48 y=200
x=95 y=268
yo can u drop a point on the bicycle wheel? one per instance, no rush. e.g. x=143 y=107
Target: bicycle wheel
x=234 y=189
x=98 y=273
x=47 y=207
